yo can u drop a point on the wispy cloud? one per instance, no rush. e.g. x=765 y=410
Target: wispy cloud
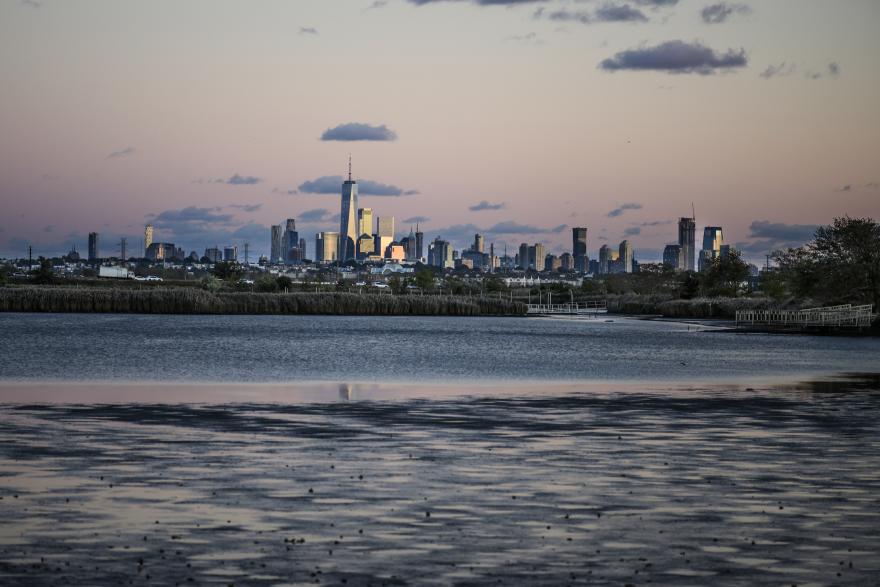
x=314 y=215
x=307 y=30
x=126 y=152
x=623 y=208
x=30 y=3
x=485 y=205
x=356 y=131
x=832 y=70
x=243 y=180
x=246 y=207
x=676 y=57
x=416 y=220
x=720 y=12
x=332 y=184
x=784 y=69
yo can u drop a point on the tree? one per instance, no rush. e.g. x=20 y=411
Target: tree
x=228 y=271
x=395 y=284
x=840 y=265
x=267 y=284
x=724 y=276
x=425 y=279
x=284 y=282
x=493 y=284
x=45 y=274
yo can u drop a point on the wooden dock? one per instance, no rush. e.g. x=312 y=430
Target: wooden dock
x=845 y=318
x=591 y=308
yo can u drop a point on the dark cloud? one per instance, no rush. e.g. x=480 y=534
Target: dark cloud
x=121 y=153
x=243 y=180
x=655 y=223
x=623 y=208
x=195 y=228
x=834 y=69
x=190 y=215
x=307 y=30
x=356 y=131
x=314 y=215
x=872 y=185
x=332 y=184
x=485 y=205
x=846 y=188
x=676 y=57
x=720 y=12
x=608 y=12
x=782 y=70
x=632 y=231
x=478 y=2
x=416 y=220
x=49 y=228
x=30 y=3
x=511 y=227
x=781 y=234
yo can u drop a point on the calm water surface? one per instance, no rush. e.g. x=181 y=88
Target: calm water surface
x=357 y=348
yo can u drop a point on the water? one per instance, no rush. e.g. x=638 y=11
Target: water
x=100 y=347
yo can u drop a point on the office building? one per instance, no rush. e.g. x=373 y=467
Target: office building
x=326 y=247
x=537 y=256
x=712 y=242
x=626 y=256
x=290 y=240
x=605 y=258
x=213 y=254
x=440 y=254
x=366 y=246
x=566 y=262
x=161 y=251
x=420 y=241
x=93 y=246
x=552 y=263
x=148 y=237
x=523 y=257
x=365 y=221
x=479 y=243
x=672 y=256
x=302 y=248
x=276 y=254
x=348 y=218
x=230 y=254
x=579 y=248
x=687 y=234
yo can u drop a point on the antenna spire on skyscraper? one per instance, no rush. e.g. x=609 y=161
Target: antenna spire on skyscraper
x=349 y=167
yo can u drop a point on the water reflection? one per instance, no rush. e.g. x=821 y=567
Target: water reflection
x=345 y=391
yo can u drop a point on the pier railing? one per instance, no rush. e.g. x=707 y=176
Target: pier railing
x=832 y=317
x=590 y=308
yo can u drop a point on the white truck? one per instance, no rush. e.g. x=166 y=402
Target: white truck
x=115 y=272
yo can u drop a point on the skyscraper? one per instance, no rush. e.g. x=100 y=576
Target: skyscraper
x=93 y=246
x=672 y=256
x=687 y=234
x=479 y=243
x=524 y=256
x=277 y=250
x=420 y=241
x=411 y=246
x=626 y=256
x=384 y=234
x=348 y=226
x=712 y=241
x=539 y=257
x=326 y=247
x=365 y=221
x=290 y=239
x=605 y=258
x=579 y=248
x=148 y=237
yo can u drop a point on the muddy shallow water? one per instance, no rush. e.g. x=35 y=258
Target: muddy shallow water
x=711 y=486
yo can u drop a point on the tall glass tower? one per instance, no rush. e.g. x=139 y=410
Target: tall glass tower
x=687 y=232
x=348 y=222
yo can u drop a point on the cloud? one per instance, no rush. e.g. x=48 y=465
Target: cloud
x=511 y=227
x=780 y=231
x=332 y=184
x=479 y=2
x=49 y=228
x=606 y=13
x=246 y=207
x=314 y=215
x=632 y=231
x=376 y=4
x=655 y=223
x=675 y=57
x=720 y=12
x=872 y=185
x=782 y=70
x=416 y=220
x=190 y=215
x=356 y=131
x=846 y=188
x=832 y=70
x=30 y=3
x=121 y=153
x=307 y=30
x=623 y=208
x=525 y=39
x=484 y=205
x=243 y=180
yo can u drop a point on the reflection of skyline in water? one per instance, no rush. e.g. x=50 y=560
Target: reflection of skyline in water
x=345 y=391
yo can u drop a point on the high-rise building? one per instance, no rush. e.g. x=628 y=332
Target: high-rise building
x=420 y=241
x=566 y=262
x=687 y=234
x=366 y=246
x=524 y=256
x=348 y=222
x=384 y=233
x=579 y=248
x=626 y=256
x=537 y=255
x=479 y=243
x=365 y=221
x=148 y=237
x=302 y=248
x=290 y=240
x=277 y=249
x=440 y=254
x=230 y=254
x=410 y=246
x=213 y=254
x=552 y=262
x=93 y=246
x=605 y=258
x=672 y=256
x=712 y=242
x=327 y=247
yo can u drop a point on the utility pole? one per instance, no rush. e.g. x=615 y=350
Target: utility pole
x=30 y=257
x=123 y=246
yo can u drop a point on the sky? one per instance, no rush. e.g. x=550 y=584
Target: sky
x=518 y=119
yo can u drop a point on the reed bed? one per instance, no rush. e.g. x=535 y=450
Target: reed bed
x=193 y=301
x=694 y=308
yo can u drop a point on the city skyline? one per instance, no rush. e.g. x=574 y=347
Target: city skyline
x=522 y=129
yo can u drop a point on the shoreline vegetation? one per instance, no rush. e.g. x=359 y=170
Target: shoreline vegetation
x=179 y=300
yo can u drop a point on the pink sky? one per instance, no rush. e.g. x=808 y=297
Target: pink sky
x=115 y=112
